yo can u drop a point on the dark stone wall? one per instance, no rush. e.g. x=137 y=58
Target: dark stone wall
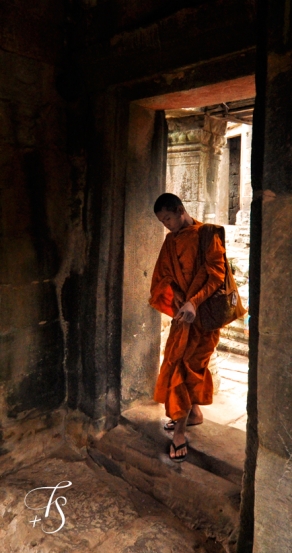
x=180 y=35
x=50 y=157
x=34 y=187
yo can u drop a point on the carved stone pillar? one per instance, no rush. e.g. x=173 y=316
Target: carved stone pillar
x=217 y=183
x=193 y=167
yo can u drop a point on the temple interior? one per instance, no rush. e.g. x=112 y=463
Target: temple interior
x=104 y=105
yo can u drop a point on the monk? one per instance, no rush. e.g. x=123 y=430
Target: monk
x=179 y=286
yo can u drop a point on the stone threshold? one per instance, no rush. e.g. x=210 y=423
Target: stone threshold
x=203 y=491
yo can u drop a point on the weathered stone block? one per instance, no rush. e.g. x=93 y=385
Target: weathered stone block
x=35 y=364
x=275 y=394
x=32 y=30
x=28 y=306
x=141 y=323
x=18 y=261
x=276 y=296
x=273 y=517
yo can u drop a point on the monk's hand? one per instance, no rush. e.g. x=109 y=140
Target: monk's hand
x=186 y=314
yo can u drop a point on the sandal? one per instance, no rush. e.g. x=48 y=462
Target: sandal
x=171 y=424
x=177 y=448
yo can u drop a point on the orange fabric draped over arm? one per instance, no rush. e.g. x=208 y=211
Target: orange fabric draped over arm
x=162 y=292
x=174 y=271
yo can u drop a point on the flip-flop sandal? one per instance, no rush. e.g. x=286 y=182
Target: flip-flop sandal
x=171 y=424
x=177 y=448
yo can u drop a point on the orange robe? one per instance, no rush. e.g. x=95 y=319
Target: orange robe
x=184 y=378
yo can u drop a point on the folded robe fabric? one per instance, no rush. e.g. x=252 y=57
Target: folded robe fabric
x=184 y=378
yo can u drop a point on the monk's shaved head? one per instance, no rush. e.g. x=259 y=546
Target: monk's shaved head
x=167 y=201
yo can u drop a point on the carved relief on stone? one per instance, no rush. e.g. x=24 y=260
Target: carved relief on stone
x=195 y=148
x=218 y=143
x=186 y=177
x=188 y=190
x=203 y=131
x=194 y=136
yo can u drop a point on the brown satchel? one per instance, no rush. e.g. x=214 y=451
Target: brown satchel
x=224 y=306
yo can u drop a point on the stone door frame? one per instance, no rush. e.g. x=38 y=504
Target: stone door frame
x=213 y=77
x=233 y=78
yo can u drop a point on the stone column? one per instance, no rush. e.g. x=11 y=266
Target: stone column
x=243 y=216
x=272 y=149
x=187 y=162
x=217 y=188
x=193 y=168
x=143 y=239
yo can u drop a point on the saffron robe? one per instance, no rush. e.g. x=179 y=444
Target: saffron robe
x=184 y=378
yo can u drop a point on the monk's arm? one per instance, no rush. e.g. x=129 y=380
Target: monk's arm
x=165 y=294
x=214 y=267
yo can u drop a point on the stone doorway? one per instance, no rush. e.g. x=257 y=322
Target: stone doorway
x=146 y=179
x=208 y=166
x=220 y=450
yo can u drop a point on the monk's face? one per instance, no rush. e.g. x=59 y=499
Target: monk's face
x=172 y=220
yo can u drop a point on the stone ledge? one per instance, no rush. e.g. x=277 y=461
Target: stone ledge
x=233 y=346
x=198 y=497
x=207 y=442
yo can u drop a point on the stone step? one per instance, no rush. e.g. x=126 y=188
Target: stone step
x=233 y=346
x=234 y=333
x=233 y=375
x=208 y=439
x=232 y=362
x=203 y=491
x=230 y=391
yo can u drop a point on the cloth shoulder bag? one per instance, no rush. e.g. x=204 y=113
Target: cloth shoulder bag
x=224 y=306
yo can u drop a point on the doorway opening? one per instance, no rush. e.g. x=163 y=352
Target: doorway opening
x=208 y=166
x=175 y=146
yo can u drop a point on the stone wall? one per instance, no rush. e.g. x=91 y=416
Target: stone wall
x=45 y=227
x=35 y=187
x=143 y=238
x=272 y=185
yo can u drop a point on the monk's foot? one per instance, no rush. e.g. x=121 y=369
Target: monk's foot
x=195 y=416
x=178 y=447
x=192 y=421
x=178 y=453
x=169 y=425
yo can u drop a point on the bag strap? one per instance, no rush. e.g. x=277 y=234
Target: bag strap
x=206 y=233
